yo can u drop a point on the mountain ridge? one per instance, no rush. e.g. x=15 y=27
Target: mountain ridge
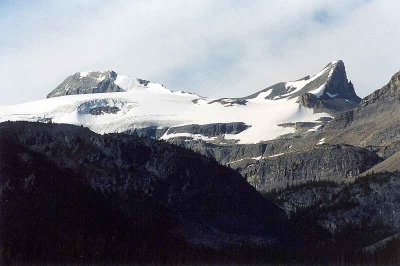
x=271 y=129
x=107 y=102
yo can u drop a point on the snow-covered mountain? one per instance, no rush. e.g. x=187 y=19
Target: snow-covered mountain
x=107 y=102
x=101 y=82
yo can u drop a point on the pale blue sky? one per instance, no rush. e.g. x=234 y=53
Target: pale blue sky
x=224 y=48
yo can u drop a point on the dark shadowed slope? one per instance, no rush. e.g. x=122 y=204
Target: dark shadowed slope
x=66 y=188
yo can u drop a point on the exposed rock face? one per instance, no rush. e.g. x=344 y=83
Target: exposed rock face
x=374 y=123
x=188 y=185
x=304 y=126
x=392 y=89
x=299 y=197
x=338 y=84
x=338 y=163
x=310 y=101
x=149 y=132
x=288 y=161
x=97 y=82
x=338 y=96
x=372 y=201
x=104 y=110
x=91 y=82
x=210 y=130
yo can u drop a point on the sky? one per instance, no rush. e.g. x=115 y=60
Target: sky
x=224 y=48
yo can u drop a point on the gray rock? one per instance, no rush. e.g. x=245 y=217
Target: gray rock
x=93 y=82
x=374 y=124
x=325 y=162
x=210 y=130
x=152 y=132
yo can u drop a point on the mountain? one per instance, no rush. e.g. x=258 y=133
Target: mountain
x=101 y=82
x=78 y=195
x=373 y=119
x=327 y=91
x=254 y=134
x=356 y=142
x=71 y=196
x=107 y=102
x=264 y=135
x=310 y=146
x=373 y=124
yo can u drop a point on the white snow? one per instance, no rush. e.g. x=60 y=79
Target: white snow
x=154 y=105
x=193 y=136
x=84 y=74
x=300 y=84
x=259 y=99
x=252 y=158
x=276 y=155
x=129 y=84
x=126 y=83
x=101 y=78
x=321 y=141
x=332 y=95
x=296 y=86
x=314 y=128
x=319 y=91
x=163 y=108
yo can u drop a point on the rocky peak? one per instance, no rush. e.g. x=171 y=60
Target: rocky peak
x=330 y=83
x=87 y=82
x=96 y=82
x=328 y=91
x=338 y=84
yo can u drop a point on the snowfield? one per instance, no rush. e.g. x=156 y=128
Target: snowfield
x=146 y=104
x=160 y=107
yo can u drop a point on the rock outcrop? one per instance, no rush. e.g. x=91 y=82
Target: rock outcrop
x=210 y=130
x=374 y=124
x=337 y=163
x=84 y=83
x=96 y=82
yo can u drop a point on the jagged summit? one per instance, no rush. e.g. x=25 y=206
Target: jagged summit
x=330 y=82
x=100 y=82
x=327 y=91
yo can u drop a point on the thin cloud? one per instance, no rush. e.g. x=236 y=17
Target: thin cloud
x=213 y=48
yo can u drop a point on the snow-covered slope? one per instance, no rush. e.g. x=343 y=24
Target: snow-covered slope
x=128 y=103
x=138 y=109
